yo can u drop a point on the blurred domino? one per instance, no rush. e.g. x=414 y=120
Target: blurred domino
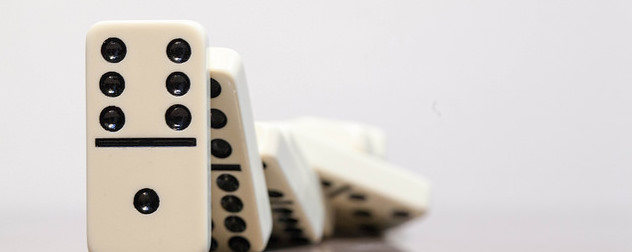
x=365 y=138
x=147 y=142
x=293 y=187
x=360 y=137
x=368 y=194
x=241 y=209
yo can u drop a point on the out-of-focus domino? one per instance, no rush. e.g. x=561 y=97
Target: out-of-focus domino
x=294 y=189
x=148 y=150
x=368 y=194
x=362 y=137
x=241 y=209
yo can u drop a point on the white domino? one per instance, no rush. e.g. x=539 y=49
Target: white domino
x=147 y=91
x=365 y=138
x=368 y=194
x=360 y=137
x=241 y=208
x=294 y=189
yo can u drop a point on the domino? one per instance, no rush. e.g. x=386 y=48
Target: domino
x=368 y=194
x=293 y=187
x=242 y=219
x=361 y=137
x=147 y=93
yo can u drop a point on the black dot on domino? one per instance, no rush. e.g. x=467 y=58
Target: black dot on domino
x=213 y=245
x=362 y=213
x=294 y=232
x=178 y=51
x=275 y=194
x=282 y=210
x=112 y=118
x=400 y=214
x=146 y=201
x=178 y=83
x=288 y=220
x=264 y=165
x=231 y=203
x=216 y=89
x=357 y=197
x=220 y=148
x=178 y=117
x=113 y=50
x=112 y=84
x=239 y=244
x=227 y=182
x=218 y=119
x=325 y=183
x=235 y=224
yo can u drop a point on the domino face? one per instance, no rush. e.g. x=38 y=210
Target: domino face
x=147 y=137
x=361 y=137
x=241 y=209
x=367 y=193
x=295 y=194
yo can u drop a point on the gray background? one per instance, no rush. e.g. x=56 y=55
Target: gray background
x=518 y=111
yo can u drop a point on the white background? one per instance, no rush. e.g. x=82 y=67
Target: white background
x=518 y=111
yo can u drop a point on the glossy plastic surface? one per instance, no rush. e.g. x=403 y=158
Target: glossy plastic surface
x=295 y=186
x=233 y=101
x=178 y=174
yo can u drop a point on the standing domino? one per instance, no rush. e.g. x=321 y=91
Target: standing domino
x=241 y=209
x=368 y=194
x=293 y=187
x=147 y=137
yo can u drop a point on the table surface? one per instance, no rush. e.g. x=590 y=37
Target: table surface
x=446 y=230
